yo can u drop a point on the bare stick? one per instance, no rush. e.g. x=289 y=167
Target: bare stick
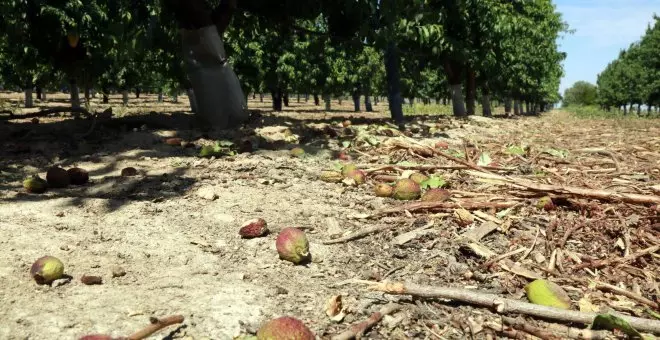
x=618 y=260
x=527 y=328
x=360 y=234
x=502 y=257
x=356 y=331
x=563 y=331
x=504 y=305
x=156 y=325
x=602 y=195
x=616 y=290
x=443 y=206
x=425 y=167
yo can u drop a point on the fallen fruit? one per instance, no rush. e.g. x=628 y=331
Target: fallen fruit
x=348 y=168
x=357 y=175
x=441 y=145
x=297 y=152
x=547 y=293
x=344 y=156
x=91 y=280
x=418 y=177
x=292 y=245
x=254 y=228
x=435 y=195
x=383 y=190
x=57 y=177
x=545 y=203
x=175 y=141
x=406 y=189
x=78 y=176
x=47 y=269
x=129 y=171
x=35 y=120
x=331 y=176
x=346 y=123
x=35 y=185
x=285 y=328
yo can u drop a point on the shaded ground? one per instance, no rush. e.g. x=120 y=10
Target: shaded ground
x=182 y=255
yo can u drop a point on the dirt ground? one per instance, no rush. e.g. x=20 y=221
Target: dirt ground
x=173 y=228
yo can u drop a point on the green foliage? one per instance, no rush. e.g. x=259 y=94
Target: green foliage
x=581 y=93
x=634 y=77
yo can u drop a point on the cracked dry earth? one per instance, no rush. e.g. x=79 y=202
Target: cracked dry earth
x=179 y=247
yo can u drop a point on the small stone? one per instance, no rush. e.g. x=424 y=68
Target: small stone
x=539 y=258
x=60 y=282
x=118 y=271
x=207 y=193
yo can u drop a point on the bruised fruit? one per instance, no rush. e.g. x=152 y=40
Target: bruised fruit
x=442 y=145
x=418 y=177
x=545 y=203
x=383 y=190
x=297 y=152
x=174 y=141
x=435 y=195
x=47 y=269
x=285 y=328
x=348 y=168
x=78 y=176
x=357 y=175
x=253 y=228
x=406 y=189
x=292 y=245
x=331 y=176
x=130 y=171
x=35 y=185
x=57 y=177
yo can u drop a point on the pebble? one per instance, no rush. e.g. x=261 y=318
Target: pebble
x=118 y=271
x=207 y=193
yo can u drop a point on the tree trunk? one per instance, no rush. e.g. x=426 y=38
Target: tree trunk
x=516 y=107
x=376 y=100
x=285 y=99
x=471 y=91
x=39 y=92
x=411 y=101
x=526 y=107
x=93 y=93
x=485 y=105
x=317 y=102
x=192 y=100
x=124 y=97
x=444 y=101
x=261 y=97
x=43 y=96
x=339 y=100
x=306 y=97
x=392 y=66
x=298 y=98
x=625 y=109
x=277 y=100
x=639 y=109
x=160 y=96
x=29 y=102
x=328 y=102
x=507 y=106
x=254 y=95
x=75 y=94
x=367 y=104
x=458 y=105
x=356 y=101
x=88 y=94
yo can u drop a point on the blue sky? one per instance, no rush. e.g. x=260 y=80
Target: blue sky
x=602 y=29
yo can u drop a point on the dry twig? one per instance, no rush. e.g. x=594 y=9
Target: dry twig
x=356 y=331
x=618 y=260
x=443 y=206
x=504 y=305
x=360 y=234
x=156 y=325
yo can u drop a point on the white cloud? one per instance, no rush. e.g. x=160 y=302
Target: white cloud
x=609 y=22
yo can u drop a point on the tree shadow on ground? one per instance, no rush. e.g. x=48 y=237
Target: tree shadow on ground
x=27 y=148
